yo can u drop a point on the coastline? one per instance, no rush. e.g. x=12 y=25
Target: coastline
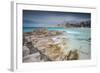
x=53 y=45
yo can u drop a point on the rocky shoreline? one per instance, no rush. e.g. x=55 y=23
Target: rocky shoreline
x=47 y=45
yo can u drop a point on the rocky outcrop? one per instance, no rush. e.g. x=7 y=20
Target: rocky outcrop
x=47 y=45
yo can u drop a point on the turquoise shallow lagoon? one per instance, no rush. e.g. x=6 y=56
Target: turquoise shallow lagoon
x=79 y=38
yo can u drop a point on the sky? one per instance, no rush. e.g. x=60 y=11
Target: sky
x=33 y=18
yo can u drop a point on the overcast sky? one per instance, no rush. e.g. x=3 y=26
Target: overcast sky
x=33 y=18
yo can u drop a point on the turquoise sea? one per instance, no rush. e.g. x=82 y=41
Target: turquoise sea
x=77 y=33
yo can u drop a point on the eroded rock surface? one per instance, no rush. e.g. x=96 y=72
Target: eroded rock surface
x=47 y=45
x=26 y=51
